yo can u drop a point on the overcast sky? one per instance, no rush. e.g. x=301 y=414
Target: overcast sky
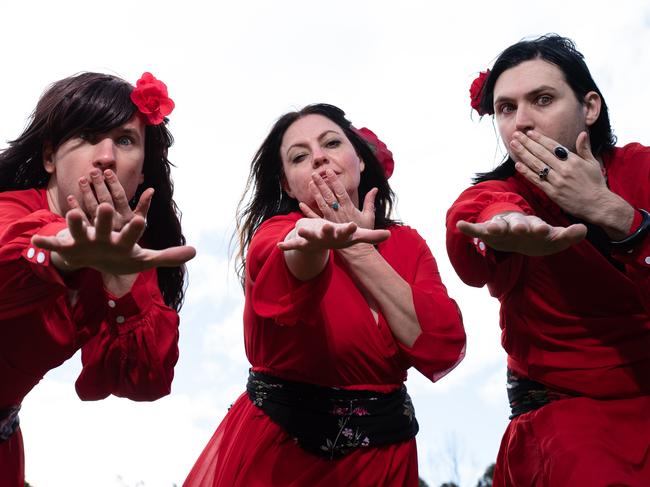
x=403 y=69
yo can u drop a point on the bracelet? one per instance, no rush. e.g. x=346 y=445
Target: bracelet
x=632 y=240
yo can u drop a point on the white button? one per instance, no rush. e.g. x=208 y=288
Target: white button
x=30 y=252
x=120 y=319
x=40 y=257
x=631 y=251
x=647 y=260
x=111 y=303
x=481 y=245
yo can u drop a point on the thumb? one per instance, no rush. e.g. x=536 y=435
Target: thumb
x=583 y=146
x=369 y=203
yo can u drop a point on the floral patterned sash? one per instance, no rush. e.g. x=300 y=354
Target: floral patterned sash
x=8 y=422
x=333 y=422
x=526 y=395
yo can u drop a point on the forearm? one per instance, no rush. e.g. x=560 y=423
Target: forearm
x=382 y=285
x=305 y=264
x=614 y=215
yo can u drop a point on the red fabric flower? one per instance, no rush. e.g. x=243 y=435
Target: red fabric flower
x=150 y=96
x=380 y=150
x=476 y=91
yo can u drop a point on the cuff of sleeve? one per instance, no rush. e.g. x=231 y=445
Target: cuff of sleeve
x=497 y=208
x=137 y=301
x=636 y=222
x=40 y=259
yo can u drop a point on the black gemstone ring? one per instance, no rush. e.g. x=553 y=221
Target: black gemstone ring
x=561 y=153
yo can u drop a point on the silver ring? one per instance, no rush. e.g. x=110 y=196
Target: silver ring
x=561 y=153
x=543 y=173
x=335 y=205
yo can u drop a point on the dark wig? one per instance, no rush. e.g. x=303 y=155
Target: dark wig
x=96 y=103
x=561 y=52
x=267 y=198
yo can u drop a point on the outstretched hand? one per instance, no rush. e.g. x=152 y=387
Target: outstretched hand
x=524 y=234
x=317 y=234
x=100 y=247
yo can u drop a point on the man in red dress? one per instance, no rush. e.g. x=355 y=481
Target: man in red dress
x=559 y=233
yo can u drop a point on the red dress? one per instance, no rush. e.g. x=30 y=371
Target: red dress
x=129 y=344
x=322 y=332
x=576 y=322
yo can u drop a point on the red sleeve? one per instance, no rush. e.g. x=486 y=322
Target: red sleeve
x=26 y=278
x=275 y=292
x=476 y=263
x=628 y=175
x=134 y=353
x=441 y=345
x=130 y=349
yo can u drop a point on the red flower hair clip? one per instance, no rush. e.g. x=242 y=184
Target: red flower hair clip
x=151 y=99
x=378 y=148
x=476 y=92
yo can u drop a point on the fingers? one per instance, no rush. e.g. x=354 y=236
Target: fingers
x=369 y=203
x=144 y=203
x=116 y=194
x=307 y=211
x=170 y=257
x=370 y=236
x=88 y=199
x=104 y=222
x=130 y=234
x=340 y=193
x=531 y=151
x=74 y=205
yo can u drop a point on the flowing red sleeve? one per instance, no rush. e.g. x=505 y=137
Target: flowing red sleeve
x=476 y=263
x=275 y=292
x=441 y=345
x=134 y=353
x=130 y=343
x=629 y=175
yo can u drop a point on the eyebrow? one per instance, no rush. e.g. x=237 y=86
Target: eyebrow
x=530 y=94
x=320 y=137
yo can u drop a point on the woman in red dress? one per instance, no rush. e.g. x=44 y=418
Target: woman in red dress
x=74 y=194
x=340 y=302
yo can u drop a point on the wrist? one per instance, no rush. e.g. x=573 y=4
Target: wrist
x=615 y=217
x=637 y=234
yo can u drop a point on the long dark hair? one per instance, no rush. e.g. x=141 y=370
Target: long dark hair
x=98 y=103
x=267 y=198
x=561 y=52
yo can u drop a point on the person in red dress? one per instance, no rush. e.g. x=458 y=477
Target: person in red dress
x=559 y=233
x=75 y=189
x=340 y=302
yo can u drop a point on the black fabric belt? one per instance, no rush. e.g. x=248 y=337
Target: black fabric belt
x=9 y=422
x=526 y=395
x=332 y=422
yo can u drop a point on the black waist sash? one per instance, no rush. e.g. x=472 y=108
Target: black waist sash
x=526 y=395
x=9 y=422
x=332 y=422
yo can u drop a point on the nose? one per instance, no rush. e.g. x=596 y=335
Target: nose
x=318 y=156
x=524 y=119
x=104 y=154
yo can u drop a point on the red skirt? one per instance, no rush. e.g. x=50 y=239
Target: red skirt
x=578 y=442
x=12 y=461
x=249 y=450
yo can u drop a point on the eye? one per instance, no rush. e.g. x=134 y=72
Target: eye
x=506 y=108
x=298 y=158
x=87 y=136
x=544 y=100
x=124 y=140
x=333 y=143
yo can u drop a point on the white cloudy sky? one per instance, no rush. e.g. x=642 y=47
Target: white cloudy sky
x=402 y=69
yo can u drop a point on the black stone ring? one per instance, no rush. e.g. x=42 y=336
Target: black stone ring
x=543 y=173
x=561 y=153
